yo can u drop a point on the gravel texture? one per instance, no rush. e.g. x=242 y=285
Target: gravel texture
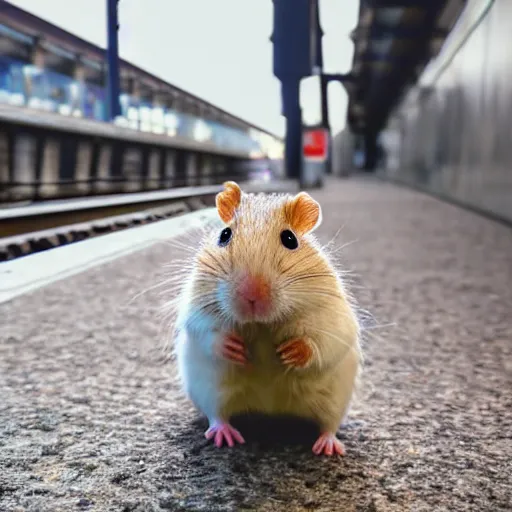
x=91 y=418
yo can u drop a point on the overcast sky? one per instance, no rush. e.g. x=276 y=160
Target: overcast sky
x=217 y=49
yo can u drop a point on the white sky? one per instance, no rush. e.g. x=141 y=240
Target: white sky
x=219 y=50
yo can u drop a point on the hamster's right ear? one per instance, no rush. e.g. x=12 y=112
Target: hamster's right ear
x=228 y=201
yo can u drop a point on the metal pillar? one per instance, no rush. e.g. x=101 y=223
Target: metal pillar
x=293 y=138
x=325 y=79
x=324 y=84
x=297 y=52
x=370 y=151
x=114 y=105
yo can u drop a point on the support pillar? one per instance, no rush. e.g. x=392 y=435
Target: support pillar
x=38 y=53
x=295 y=37
x=79 y=77
x=293 y=139
x=324 y=84
x=370 y=151
x=34 y=96
x=158 y=120
x=114 y=106
x=135 y=92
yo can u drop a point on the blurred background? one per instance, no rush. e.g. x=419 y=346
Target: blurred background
x=413 y=91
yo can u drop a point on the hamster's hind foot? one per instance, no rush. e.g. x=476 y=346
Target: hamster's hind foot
x=232 y=348
x=220 y=431
x=328 y=444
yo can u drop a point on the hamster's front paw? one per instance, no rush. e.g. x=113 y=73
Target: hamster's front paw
x=296 y=352
x=232 y=348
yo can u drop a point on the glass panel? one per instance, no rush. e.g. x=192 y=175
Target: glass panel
x=22 y=83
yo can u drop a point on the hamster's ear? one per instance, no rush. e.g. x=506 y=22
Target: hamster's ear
x=228 y=201
x=303 y=213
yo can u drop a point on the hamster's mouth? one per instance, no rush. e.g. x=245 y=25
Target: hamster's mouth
x=253 y=309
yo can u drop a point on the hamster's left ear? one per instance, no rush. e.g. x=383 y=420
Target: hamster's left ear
x=303 y=213
x=228 y=201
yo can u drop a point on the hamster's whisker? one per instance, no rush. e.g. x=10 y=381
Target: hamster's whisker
x=172 y=283
x=319 y=284
x=339 y=248
x=172 y=280
x=331 y=335
x=176 y=274
x=179 y=245
x=211 y=305
x=202 y=295
x=298 y=263
x=382 y=326
x=177 y=266
x=144 y=291
x=332 y=240
x=302 y=277
x=310 y=292
x=341 y=269
x=216 y=260
x=212 y=269
x=206 y=275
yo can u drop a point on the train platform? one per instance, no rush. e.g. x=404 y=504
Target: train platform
x=91 y=417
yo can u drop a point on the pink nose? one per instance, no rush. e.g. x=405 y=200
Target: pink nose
x=254 y=294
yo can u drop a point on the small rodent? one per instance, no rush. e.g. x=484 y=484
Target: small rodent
x=264 y=324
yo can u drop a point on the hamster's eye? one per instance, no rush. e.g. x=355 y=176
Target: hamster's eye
x=225 y=236
x=289 y=240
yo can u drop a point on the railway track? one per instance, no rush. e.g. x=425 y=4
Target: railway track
x=37 y=227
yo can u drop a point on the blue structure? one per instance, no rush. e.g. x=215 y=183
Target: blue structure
x=297 y=40
x=45 y=67
x=114 y=108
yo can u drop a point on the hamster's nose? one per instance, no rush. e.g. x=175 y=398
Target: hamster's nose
x=254 y=290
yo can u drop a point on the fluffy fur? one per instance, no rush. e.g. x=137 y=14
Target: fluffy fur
x=309 y=304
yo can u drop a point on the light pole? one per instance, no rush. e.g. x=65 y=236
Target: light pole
x=114 y=106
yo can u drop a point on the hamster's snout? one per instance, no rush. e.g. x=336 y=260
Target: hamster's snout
x=253 y=295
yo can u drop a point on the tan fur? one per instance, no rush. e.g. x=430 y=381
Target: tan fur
x=228 y=200
x=309 y=303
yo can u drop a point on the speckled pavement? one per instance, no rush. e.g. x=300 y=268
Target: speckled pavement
x=91 y=418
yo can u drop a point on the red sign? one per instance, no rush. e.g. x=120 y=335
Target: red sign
x=314 y=144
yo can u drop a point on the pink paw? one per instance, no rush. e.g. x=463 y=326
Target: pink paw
x=233 y=349
x=328 y=444
x=221 y=432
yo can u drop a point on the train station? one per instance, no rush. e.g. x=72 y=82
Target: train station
x=172 y=338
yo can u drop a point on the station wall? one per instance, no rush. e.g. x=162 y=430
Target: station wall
x=451 y=134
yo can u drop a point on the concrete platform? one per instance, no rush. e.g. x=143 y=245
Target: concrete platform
x=91 y=419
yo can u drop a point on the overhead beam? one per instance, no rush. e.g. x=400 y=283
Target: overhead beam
x=401 y=60
x=381 y=31
x=380 y=4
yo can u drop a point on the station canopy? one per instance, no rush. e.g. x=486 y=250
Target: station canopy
x=394 y=41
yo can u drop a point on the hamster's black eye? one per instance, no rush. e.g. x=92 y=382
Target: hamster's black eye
x=225 y=236
x=289 y=240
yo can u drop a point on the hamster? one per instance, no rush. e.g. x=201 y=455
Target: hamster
x=264 y=324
